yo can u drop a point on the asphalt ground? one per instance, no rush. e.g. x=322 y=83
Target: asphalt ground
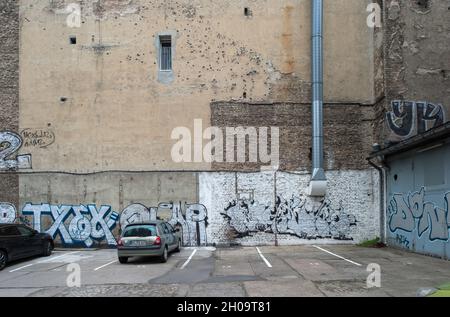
x=265 y=271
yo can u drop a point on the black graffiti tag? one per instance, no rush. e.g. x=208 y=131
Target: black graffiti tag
x=400 y=120
x=408 y=117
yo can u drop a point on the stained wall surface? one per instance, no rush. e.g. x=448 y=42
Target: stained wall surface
x=95 y=116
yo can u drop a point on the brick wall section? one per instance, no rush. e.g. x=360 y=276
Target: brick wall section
x=9 y=65
x=347 y=130
x=9 y=88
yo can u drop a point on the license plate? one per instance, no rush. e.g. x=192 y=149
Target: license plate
x=138 y=243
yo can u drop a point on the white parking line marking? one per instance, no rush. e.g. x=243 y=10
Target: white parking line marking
x=57 y=257
x=263 y=257
x=22 y=267
x=44 y=261
x=100 y=267
x=189 y=259
x=338 y=256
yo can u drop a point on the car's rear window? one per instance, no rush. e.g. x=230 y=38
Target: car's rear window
x=140 y=231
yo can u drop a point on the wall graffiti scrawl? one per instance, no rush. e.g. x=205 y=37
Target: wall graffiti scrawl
x=135 y=213
x=10 y=144
x=411 y=212
x=37 y=138
x=290 y=216
x=87 y=223
x=409 y=118
x=192 y=220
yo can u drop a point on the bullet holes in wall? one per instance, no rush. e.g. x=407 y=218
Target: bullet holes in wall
x=421 y=5
x=425 y=4
x=73 y=40
x=247 y=12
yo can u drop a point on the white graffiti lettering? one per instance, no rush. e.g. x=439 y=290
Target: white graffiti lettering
x=10 y=143
x=81 y=229
x=192 y=221
x=7 y=213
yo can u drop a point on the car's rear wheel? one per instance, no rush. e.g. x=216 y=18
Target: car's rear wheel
x=178 y=249
x=3 y=259
x=47 y=251
x=165 y=255
x=123 y=259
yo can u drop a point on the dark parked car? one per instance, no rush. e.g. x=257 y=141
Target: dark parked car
x=19 y=241
x=153 y=238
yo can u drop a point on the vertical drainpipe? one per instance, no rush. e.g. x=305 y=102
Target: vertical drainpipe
x=382 y=174
x=318 y=184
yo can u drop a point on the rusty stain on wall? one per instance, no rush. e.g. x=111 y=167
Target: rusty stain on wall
x=287 y=41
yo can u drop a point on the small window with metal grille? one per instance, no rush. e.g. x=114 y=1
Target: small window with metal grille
x=165 y=53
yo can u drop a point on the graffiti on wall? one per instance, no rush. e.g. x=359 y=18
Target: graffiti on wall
x=402 y=240
x=84 y=224
x=7 y=213
x=192 y=219
x=10 y=144
x=411 y=212
x=75 y=224
x=409 y=118
x=290 y=216
x=135 y=213
x=38 y=138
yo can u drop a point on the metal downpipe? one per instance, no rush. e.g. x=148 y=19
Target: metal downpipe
x=318 y=182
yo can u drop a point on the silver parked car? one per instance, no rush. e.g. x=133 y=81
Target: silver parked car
x=153 y=238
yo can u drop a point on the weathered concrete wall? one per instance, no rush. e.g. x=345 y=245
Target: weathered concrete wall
x=96 y=118
x=101 y=98
x=9 y=99
x=249 y=208
x=89 y=210
x=417 y=67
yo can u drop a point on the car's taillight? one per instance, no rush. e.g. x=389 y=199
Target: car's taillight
x=157 y=241
x=120 y=242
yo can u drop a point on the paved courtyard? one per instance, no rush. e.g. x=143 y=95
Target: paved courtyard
x=308 y=270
